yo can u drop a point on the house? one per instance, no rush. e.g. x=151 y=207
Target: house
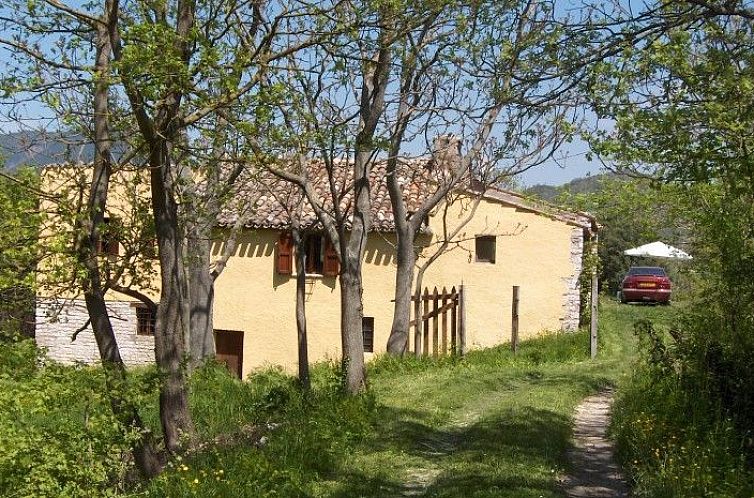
x=509 y=241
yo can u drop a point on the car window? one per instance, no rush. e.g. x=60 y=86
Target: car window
x=647 y=270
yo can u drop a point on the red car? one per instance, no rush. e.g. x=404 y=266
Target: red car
x=646 y=284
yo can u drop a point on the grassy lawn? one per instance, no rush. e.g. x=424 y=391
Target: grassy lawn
x=492 y=424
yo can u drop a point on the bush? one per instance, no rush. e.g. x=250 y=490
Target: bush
x=296 y=435
x=58 y=435
x=19 y=358
x=676 y=433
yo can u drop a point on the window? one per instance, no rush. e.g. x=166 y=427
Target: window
x=485 y=248
x=320 y=257
x=314 y=259
x=367 y=329
x=107 y=243
x=145 y=320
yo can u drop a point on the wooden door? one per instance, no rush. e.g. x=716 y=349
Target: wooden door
x=229 y=344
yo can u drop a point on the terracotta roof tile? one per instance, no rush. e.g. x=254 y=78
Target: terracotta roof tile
x=272 y=201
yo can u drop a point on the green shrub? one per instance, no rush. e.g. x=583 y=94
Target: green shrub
x=672 y=428
x=19 y=358
x=58 y=436
x=295 y=436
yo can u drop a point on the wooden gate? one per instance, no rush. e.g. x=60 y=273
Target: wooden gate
x=442 y=322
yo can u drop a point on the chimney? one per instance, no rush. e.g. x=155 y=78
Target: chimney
x=446 y=154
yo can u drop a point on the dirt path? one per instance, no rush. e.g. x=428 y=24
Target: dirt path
x=595 y=473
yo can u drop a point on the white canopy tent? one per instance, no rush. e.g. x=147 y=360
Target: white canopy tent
x=657 y=250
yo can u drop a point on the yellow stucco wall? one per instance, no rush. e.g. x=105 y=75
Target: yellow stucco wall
x=251 y=297
x=532 y=251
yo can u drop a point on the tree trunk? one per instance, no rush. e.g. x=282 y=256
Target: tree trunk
x=303 y=346
x=351 y=313
x=397 y=343
x=170 y=329
x=202 y=295
x=147 y=459
x=352 y=250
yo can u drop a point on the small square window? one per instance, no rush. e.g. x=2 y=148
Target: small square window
x=146 y=320
x=485 y=248
x=367 y=329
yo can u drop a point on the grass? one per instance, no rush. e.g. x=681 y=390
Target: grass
x=491 y=424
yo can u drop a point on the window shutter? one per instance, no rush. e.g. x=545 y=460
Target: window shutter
x=112 y=247
x=284 y=263
x=331 y=266
x=107 y=240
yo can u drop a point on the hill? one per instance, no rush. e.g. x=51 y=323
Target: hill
x=39 y=149
x=583 y=185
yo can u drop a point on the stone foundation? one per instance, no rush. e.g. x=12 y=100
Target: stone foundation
x=571 y=296
x=58 y=320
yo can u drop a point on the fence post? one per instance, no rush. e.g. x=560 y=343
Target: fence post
x=425 y=325
x=435 y=323
x=417 y=325
x=444 y=303
x=454 y=322
x=462 y=326
x=514 y=319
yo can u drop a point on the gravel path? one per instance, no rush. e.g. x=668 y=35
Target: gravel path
x=595 y=473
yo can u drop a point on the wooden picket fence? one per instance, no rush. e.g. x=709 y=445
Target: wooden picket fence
x=441 y=327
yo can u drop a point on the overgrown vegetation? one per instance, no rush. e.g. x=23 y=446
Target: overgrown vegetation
x=490 y=424
x=683 y=422
x=18 y=254
x=682 y=111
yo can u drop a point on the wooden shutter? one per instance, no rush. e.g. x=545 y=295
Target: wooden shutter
x=107 y=240
x=331 y=265
x=284 y=261
x=111 y=246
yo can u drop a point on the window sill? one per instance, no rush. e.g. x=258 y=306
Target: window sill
x=314 y=276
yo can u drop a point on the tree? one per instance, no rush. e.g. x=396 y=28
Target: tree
x=335 y=122
x=18 y=257
x=681 y=102
x=504 y=72
x=681 y=98
x=166 y=83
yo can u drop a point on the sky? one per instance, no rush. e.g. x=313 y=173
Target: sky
x=570 y=161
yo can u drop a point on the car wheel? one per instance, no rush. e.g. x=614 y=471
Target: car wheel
x=622 y=298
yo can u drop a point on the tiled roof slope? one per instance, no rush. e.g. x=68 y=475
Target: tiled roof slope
x=275 y=200
x=271 y=201
x=576 y=218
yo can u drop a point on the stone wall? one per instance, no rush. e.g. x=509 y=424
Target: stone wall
x=58 y=320
x=571 y=297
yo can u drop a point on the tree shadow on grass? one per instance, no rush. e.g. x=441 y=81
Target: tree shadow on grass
x=511 y=450
x=487 y=458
